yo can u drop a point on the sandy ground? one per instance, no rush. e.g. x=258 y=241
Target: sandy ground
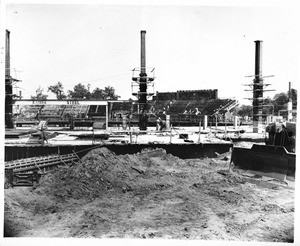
x=150 y=196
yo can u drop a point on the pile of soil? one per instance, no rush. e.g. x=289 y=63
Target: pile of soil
x=102 y=170
x=151 y=194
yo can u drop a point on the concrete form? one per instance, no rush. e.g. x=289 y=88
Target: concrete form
x=257 y=87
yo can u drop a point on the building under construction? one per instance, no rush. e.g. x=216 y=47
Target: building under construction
x=92 y=178
x=184 y=108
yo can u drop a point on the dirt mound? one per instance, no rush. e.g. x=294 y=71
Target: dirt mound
x=101 y=170
x=150 y=195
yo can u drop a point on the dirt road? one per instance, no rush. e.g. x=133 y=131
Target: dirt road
x=150 y=195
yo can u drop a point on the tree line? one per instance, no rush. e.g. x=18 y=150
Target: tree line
x=80 y=91
x=271 y=106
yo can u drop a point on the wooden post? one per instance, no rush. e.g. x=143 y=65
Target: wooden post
x=205 y=122
x=168 y=122
x=130 y=136
x=199 y=138
x=71 y=123
x=34 y=177
x=216 y=125
x=235 y=122
x=124 y=121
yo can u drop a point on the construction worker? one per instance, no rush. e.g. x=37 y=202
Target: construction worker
x=162 y=125
x=282 y=137
x=158 y=120
x=43 y=136
x=271 y=130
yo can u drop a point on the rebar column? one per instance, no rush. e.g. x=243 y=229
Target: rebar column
x=143 y=116
x=8 y=84
x=257 y=87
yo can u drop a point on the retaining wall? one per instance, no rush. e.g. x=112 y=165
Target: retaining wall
x=184 y=151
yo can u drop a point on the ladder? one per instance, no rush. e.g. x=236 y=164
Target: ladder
x=27 y=172
x=44 y=163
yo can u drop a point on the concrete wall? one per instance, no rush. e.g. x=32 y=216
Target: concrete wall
x=269 y=160
x=188 y=95
x=184 y=151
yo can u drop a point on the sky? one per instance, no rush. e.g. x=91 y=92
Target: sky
x=191 y=47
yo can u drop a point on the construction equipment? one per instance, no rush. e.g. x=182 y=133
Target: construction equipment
x=273 y=159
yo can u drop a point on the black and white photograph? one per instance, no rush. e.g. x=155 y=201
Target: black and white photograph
x=156 y=122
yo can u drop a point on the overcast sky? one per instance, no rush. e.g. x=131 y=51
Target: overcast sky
x=191 y=47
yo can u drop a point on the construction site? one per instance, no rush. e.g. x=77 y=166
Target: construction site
x=168 y=165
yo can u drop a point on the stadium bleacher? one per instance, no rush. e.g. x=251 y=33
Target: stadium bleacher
x=51 y=112
x=76 y=111
x=27 y=112
x=96 y=111
x=188 y=110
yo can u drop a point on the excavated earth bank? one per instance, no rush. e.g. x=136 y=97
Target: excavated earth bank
x=150 y=195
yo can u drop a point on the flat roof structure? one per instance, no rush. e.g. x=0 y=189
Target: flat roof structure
x=61 y=102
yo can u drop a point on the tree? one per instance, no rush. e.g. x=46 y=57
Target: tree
x=98 y=94
x=268 y=106
x=280 y=102
x=245 y=110
x=58 y=90
x=107 y=94
x=110 y=93
x=79 y=92
x=39 y=94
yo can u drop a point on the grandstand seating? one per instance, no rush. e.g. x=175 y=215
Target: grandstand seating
x=28 y=112
x=51 y=111
x=219 y=105
x=117 y=107
x=76 y=111
x=179 y=107
x=180 y=110
x=193 y=107
x=135 y=108
x=159 y=107
x=96 y=110
x=127 y=106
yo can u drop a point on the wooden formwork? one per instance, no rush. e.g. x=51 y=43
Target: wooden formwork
x=27 y=171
